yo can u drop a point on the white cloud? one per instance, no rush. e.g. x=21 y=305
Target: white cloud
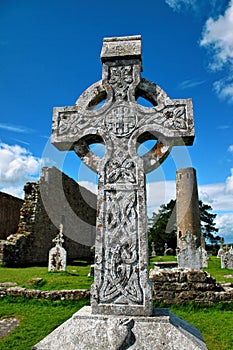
x=190 y=83
x=229 y=184
x=15 y=128
x=223 y=127
x=219 y=196
x=217 y=37
x=230 y=149
x=224 y=88
x=17 y=166
x=178 y=5
x=199 y=7
x=224 y=222
x=158 y=193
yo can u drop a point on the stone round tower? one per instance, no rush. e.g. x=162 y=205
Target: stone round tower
x=187 y=206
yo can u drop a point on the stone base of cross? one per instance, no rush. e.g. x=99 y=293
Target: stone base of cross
x=121 y=284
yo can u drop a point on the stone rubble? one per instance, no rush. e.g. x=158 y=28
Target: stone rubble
x=183 y=285
x=7 y=325
x=73 y=294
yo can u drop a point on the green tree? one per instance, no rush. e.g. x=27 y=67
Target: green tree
x=208 y=226
x=163 y=229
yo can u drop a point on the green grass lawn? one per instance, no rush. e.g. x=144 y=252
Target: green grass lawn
x=76 y=274
x=214 y=322
x=39 y=317
x=214 y=268
x=75 y=277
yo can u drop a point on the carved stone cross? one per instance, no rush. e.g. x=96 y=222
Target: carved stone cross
x=121 y=284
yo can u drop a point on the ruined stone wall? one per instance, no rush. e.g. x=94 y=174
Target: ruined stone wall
x=170 y=286
x=183 y=285
x=53 y=200
x=9 y=214
x=187 y=206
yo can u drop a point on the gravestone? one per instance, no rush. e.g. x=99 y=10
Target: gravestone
x=121 y=313
x=204 y=257
x=221 y=250
x=165 y=249
x=191 y=256
x=57 y=254
x=153 y=252
x=227 y=259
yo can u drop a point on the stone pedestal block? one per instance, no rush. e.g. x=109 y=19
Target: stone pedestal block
x=162 y=331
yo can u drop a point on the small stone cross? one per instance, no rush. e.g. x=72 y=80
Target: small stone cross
x=59 y=240
x=153 y=253
x=121 y=285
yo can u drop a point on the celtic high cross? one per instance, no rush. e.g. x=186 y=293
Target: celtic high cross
x=121 y=284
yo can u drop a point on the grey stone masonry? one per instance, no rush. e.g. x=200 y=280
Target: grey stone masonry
x=85 y=331
x=9 y=214
x=189 y=242
x=121 y=284
x=183 y=285
x=187 y=207
x=55 y=198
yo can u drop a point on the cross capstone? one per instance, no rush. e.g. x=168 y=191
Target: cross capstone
x=121 y=285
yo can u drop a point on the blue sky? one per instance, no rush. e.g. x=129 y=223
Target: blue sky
x=50 y=53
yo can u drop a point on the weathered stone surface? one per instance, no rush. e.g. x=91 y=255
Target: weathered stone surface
x=57 y=259
x=189 y=241
x=121 y=315
x=227 y=260
x=12 y=250
x=162 y=331
x=72 y=294
x=8 y=284
x=66 y=202
x=121 y=267
x=57 y=254
x=9 y=214
x=7 y=325
x=183 y=285
x=221 y=251
x=187 y=207
x=191 y=256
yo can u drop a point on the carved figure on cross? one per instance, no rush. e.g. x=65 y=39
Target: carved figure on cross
x=121 y=285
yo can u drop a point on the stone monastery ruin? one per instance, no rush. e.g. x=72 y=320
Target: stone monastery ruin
x=28 y=228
